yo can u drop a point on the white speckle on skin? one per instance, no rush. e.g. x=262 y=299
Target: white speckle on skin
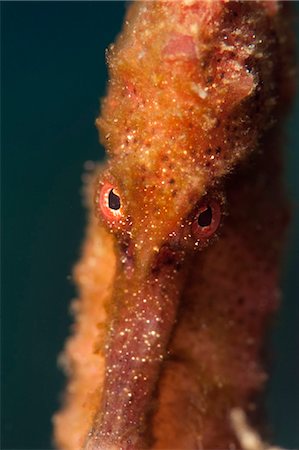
x=199 y=90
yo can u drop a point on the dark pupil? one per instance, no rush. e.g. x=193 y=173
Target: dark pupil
x=113 y=200
x=205 y=218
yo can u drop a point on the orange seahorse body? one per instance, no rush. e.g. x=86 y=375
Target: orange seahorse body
x=170 y=321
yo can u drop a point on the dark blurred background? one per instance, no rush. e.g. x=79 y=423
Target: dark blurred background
x=53 y=74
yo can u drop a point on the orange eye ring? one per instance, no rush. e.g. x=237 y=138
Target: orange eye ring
x=207 y=219
x=110 y=203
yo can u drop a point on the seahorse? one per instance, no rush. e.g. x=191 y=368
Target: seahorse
x=179 y=273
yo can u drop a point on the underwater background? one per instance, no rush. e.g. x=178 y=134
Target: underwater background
x=53 y=75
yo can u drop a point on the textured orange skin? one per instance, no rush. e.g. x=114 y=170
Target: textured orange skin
x=194 y=87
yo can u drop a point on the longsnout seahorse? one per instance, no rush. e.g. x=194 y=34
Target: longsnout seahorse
x=179 y=272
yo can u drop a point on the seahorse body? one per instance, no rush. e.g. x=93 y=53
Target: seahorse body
x=170 y=321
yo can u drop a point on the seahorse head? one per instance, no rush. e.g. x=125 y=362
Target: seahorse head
x=186 y=102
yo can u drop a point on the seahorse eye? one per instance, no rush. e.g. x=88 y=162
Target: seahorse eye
x=113 y=200
x=205 y=217
x=206 y=220
x=110 y=202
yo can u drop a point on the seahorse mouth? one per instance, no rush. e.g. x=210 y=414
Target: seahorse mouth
x=142 y=321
